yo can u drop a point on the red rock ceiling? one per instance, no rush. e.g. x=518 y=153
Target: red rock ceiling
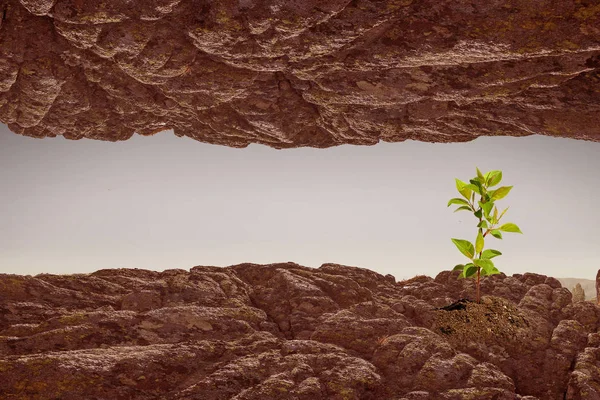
x=300 y=73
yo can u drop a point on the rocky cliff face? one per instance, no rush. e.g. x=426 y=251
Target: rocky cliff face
x=300 y=73
x=284 y=331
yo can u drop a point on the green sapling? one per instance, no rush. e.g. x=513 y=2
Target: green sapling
x=486 y=212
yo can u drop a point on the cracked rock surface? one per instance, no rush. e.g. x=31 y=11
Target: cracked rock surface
x=283 y=331
x=291 y=73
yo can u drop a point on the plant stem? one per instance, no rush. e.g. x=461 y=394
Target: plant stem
x=478 y=297
x=478 y=277
x=488 y=230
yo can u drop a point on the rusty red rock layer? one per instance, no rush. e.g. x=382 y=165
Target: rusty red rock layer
x=283 y=331
x=316 y=73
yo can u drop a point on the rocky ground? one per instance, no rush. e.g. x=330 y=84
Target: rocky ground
x=284 y=331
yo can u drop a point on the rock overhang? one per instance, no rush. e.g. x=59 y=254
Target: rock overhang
x=293 y=74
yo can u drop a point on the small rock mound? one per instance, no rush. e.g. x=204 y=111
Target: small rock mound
x=493 y=320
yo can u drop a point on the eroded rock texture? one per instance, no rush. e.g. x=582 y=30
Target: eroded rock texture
x=283 y=331
x=300 y=73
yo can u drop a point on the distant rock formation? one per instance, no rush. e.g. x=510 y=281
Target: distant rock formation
x=588 y=286
x=578 y=293
x=288 y=74
x=283 y=331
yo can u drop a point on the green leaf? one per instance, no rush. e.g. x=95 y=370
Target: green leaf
x=465 y=247
x=456 y=200
x=495 y=219
x=475 y=182
x=478 y=213
x=487 y=207
x=492 y=271
x=469 y=270
x=488 y=218
x=486 y=177
x=490 y=253
x=458 y=267
x=462 y=189
x=496 y=233
x=480 y=176
x=463 y=208
x=479 y=243
x=494 y=178
x=483 y=225
x=502 y=213
x=501 y=192
x=510 y=227
x=474 y=188
x=486 y=265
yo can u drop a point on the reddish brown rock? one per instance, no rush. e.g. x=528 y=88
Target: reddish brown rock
x=304 y=73
x=598 y=287
x=284 y=331
x=145 y=300
x=583 y=382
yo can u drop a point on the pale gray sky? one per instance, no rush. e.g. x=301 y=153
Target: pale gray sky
x=166 y=202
